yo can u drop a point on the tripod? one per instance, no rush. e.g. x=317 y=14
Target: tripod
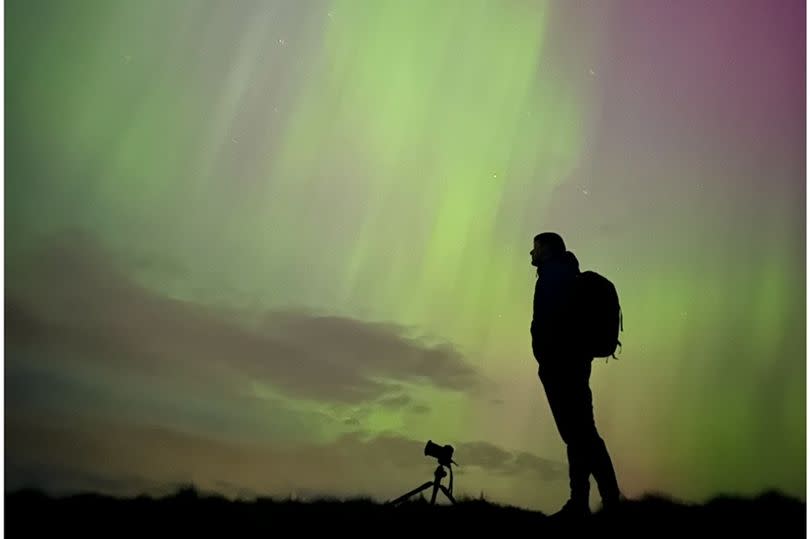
x=438 y=475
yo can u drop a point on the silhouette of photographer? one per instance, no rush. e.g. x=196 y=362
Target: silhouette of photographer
x=564 y=370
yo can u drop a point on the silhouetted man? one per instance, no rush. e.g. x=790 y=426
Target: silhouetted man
x=565 y=373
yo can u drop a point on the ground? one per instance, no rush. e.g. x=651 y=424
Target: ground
x=189 y=513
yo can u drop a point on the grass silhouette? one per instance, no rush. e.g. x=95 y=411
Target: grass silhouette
x=187 y=512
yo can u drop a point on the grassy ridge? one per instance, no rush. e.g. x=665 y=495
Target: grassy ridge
x=186 y=513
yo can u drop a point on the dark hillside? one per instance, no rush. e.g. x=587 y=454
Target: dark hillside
x=188 y=513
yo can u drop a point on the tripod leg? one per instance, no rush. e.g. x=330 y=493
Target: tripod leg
x=436 y=486
x=447 y=493
x=417 y=490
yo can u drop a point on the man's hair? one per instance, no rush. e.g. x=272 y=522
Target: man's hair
x=552 y=241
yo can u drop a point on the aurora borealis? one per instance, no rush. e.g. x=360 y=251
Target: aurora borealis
x=273 y=247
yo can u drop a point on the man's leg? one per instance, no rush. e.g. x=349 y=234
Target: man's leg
x=565 y=406
x=578 y=471
x=587 y=436
x=603 y=472
x=577 y=413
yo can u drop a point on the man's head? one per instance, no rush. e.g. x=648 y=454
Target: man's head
x=547 y=245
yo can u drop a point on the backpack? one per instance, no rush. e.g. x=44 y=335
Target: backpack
x=597 y=315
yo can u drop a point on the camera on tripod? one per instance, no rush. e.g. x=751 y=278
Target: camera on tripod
x=444 y=454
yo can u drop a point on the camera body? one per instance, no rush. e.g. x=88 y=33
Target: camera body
x=443 y=453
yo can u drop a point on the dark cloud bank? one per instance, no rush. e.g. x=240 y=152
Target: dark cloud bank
x=74 y=298
x=72 y=303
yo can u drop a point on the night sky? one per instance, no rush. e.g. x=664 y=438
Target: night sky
x=273 y=247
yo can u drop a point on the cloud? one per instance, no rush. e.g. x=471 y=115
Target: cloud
x=73 y=298
x=420 y=408
x=219 y=389
x=402 y=402
x=396 y=401
x=500 y=461
x=70 y=454
x=368 y=351
x=546 y=469
x=484 y=454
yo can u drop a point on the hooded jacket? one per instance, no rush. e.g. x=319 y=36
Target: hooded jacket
x=551 y=297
